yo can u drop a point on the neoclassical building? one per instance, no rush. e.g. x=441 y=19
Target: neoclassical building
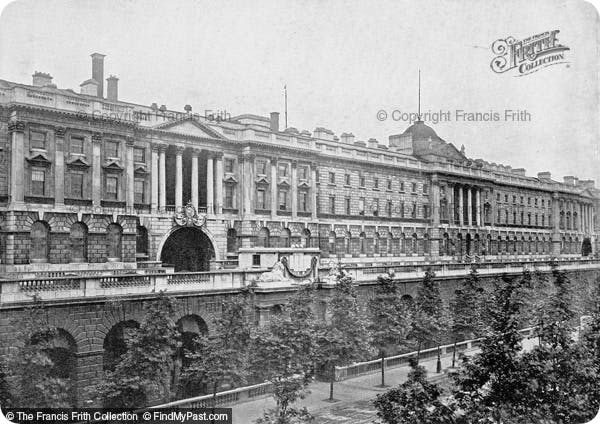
x=88 y=178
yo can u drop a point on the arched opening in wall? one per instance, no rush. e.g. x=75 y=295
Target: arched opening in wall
x=190 y=327
x=305 y=238
x=468 y=244
x=568 y=220
x=276 y=311
x=331 y=243
x=414 y=244
x=426 y=244
x=263 y=238
x=116 y=343
x=390 y=244
x=232 y=240
x=362 y=243
x=575 y=245
x=459 y=245
x=563 y=245
x=285 y=239
x=114 y=236
x=407 y=300
x=60 y=347
x=188 y=249
x=586 y=247
x=39 y=238
x=78 y=242
x=403 y=247
x=446 y=245
x=141 y=242
x=376 y=244
x=476 y=244
x=347 y=239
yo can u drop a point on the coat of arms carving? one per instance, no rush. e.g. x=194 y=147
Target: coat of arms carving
x=189 y=217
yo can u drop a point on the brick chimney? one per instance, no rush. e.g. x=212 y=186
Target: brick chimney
x=41 y=79
x=275 y=121
x=372 y=143
x=347 y=138
x=569 y=180
x=544 y=175
x=112 y=88
x=98 y=72
x=89 y=87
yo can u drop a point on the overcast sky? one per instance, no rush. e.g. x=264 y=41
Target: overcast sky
x=342 y=62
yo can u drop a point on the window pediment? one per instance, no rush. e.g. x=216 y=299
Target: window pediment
x=283 y=183
x=39 y=159
x=78 y=163
x=230 y=179
x=140 y=171
x=262 y=180
x=304 y=184
x=112 y=166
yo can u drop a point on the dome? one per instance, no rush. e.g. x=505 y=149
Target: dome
x=420 y=131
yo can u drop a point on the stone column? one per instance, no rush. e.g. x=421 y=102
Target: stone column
x=450 y=204
x=461 y=216
x=435 y=202
x=219 y=183
x=162 y=176
x=178 y=177
x=59 y=166
x=96 y=169
x=248 y=186
x=313 y=191
x=273 y=188
x=209 y=184
x=154 y=177
x=469 y=206
x=294 y=191
x=556 y=239
x=194 y=182
x=17 y=163
x=478 y=207
x=130 y=197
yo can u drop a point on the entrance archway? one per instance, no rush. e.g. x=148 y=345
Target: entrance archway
x=468 y=244
x=188 y=249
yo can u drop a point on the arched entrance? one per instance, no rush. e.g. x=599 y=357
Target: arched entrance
x=468 y=244
x=116 y=342
x=188 y=249
x=191 y=328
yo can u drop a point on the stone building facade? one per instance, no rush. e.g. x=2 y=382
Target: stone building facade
x=91 y=179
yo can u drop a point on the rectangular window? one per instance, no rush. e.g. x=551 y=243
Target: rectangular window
x=347 y=179
x=361 y=206
x=348 y=206
x=390 y=207
x=112 y=149
x=283 y=170
x=139 y=154
x=112 y=186
x=376 y=182
x=229 y=195
x=229 y=163
x=38 y=182
x=402 y=209
x=332 y=205
x=261 y=167
x=362 y=181
x=255 y=260
x=497 y=197
x=514 y=199
x=140 y=191
x=506 y=198
x=414 y=188
x=303 y=203
x=261 y=199
x=425 y=189
x=317 y=176
x=77 y=145
x=76 y=186
x=37 y=140
x=389 y=184
x=402 y=186
x=425 y=211
x=332 y=178
x=304 y=173
x=283 y=201
x=414 y=210
x=375 y=207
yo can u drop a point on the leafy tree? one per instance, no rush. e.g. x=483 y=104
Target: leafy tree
x=343 y=338
x=6 y=397
x=415 y=401
x=223 y=358
x=390 y=320
x=144 y=371
x=31 y=368
x=429 y=314
x=467 y=308
x=283 y=353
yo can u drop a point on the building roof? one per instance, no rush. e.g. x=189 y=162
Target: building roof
x=420 y=131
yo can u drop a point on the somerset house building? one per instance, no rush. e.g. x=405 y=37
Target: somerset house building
x=89 y=179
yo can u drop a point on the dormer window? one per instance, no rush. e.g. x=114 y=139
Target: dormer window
x=77 y=145
x=37 y=140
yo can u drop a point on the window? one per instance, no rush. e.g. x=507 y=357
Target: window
x=39 y=242
x=283 y=200
x=304 y=173
x=348 y=206
x=261 y=167
x=37 y=140
x=282 y=170
x=255 y=260
x=414 y=187
x=425 y=211
x=402 y=186
x=389 y=184
x=229 y=164
x=347 y=179
x=303 y=203
x=375 y=207
x=361 y=206
x=497 y=197
x=522 y=218
x=401 y=209
x=229 y=195
x=76 y=185
x=529 y=201
x=78 y=241
x=38 y=182
x=114 y=236
x=425 y=189
x=376 y=182
x=112 y=185
x=522 y=200
x=389 y=207
x=112 y=149
x=414 y=210
x=317 y=177
x=261 y=199
x=528 y=219
x=332 y=178
x=139 y=154
x=543 y=202
x=77 y=145
x=332 y=205
x=361 y=181
x=139 y=191
x=514 y=199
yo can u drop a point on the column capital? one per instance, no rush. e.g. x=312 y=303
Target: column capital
x=273 y=160
x=195 y=152
x=129 y=141
x=248 y=156
x=162 y=148
x=16 y=126
x=60 y=131
x=179 y=150
x=97 y=137
x=294 y=163
x=155 y=147
x=216 y=155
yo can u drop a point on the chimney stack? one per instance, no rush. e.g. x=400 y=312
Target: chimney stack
x=89 y=87
x=372 y=143
x=544 y=175
x=275 y=121
x=569 y=180
x=347 y=138
x=41 y=79
x=98 y=72
x=112 y=88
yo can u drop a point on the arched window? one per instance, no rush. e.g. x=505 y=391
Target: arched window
x=78 y=241
x=376 y=244
x=141 y=241
x=403 y=243
x=263 y=238
x=390 y=244
x=285 y=238
x=39 y=238
x=347 y=243
x=114 y=235
x=416 y=245
x=362 y=243
x=332 y=249
x=568 y=220
x=446 y=245
x=231 y=240
x=426 y=244
x=305 y=238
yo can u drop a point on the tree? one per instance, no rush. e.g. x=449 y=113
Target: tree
x=343 y=338
x=6 y=398
x=429 y=314
x=31 y=369
x=223 y=357
x=467 y=308
x=283 y=353
x=144 y=372
x=415 y=401
x=390 y=320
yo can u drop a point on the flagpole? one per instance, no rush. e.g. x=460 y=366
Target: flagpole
x=285 y=89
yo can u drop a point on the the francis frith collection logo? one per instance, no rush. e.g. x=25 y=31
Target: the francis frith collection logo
x=528 y=55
